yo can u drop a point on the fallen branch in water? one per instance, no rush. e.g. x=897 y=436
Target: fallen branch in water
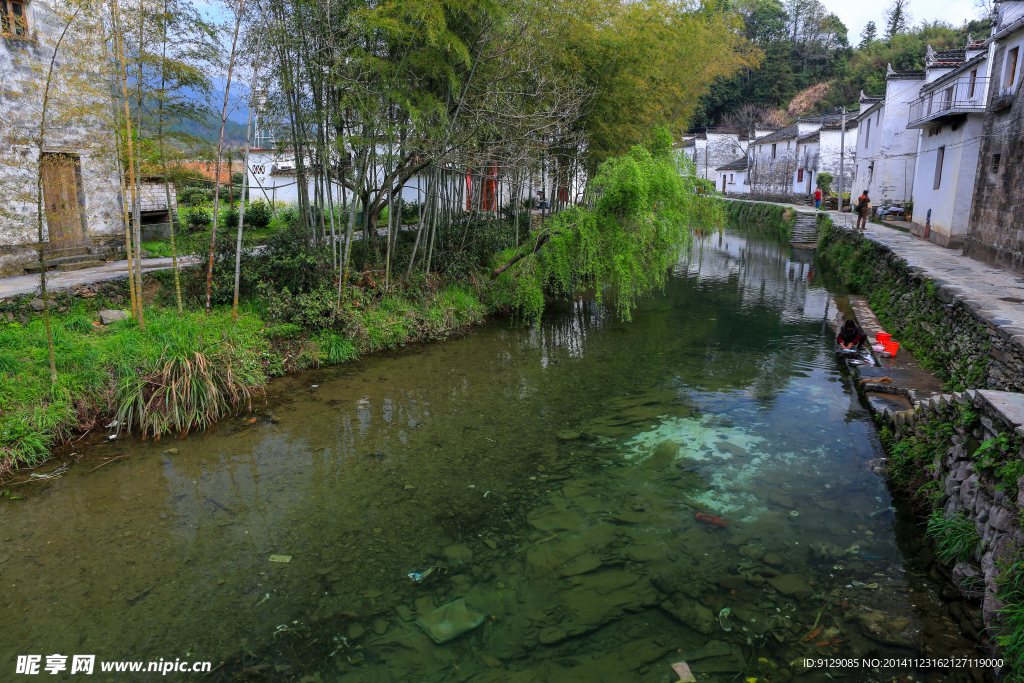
x=108 y=461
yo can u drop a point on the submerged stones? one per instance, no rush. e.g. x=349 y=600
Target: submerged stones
x=795 y=585
x=449 y=621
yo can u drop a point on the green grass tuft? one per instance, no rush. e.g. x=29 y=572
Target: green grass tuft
x=956 y=538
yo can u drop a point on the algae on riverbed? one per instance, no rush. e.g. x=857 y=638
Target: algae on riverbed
x=584 y=554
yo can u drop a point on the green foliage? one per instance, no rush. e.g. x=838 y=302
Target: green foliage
x=287 y=216
x=194 y=196
x=824 y=182
x=1000 y=457
x=199 y=218
x=956 y=538
x=258 y=215
x=337 y=349
x=1011 y=637
x=229 y=216
x=644 y=208
x=184 y=371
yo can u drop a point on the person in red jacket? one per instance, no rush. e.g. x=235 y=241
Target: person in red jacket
x=817 y=198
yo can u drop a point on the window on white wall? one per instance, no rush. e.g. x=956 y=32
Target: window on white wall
x=867 y=132
x=940 y=153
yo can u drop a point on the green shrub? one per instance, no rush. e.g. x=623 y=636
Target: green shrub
x=258 y=215
x=229 y=216
x=199 y=218
x=194 y=196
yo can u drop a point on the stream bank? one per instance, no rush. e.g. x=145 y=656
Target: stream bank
x=558 y=480
x=957 y=453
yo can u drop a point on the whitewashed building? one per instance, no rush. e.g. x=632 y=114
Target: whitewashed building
x=785 y=163
x=731 y=179
x=886 y=149
x=949 y=115
x=715 y=147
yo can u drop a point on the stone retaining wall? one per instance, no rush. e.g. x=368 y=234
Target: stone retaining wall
x=780 y=218
x=949 y=333
x=973 y=481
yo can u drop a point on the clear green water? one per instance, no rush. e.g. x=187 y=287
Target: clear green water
x=549 y=476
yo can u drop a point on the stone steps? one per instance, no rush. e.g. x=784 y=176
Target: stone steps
x=805 y=230
x=64 y=264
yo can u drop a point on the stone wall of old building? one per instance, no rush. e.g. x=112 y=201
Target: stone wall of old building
x=78 y=119
x=996 y=231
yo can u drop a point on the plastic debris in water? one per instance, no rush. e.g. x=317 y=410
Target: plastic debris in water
x=281 y=558
x=416 y=577
x=682 y=669
x=794 y=513
x=723 y=619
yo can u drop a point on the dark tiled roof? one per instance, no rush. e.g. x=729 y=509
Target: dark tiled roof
x=913 y=74
x=689 y=143
x=738 y=165
x=871 y=100
x=851 y=123
x=810 y=137
x=787 y=133
x=947 y=57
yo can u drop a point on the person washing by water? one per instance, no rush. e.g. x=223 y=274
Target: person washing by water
x=850 y=336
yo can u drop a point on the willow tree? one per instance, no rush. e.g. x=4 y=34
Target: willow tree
x=645 y=204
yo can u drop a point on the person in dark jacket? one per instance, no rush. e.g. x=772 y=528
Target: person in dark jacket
x=850 y=336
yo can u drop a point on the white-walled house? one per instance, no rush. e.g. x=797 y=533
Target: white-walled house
x=949 y=116
x=785 y=163
x=732 y=177
x=715 y=147
x=886 y=149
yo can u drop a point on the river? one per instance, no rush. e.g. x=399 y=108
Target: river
x=549 y=477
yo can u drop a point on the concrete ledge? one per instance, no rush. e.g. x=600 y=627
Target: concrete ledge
x=964 y=290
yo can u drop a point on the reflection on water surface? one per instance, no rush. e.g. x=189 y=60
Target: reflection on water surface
x=548 y=478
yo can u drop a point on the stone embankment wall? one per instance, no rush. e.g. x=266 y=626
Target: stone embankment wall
x=949 y=333
x=963 y=451
x=780 y=218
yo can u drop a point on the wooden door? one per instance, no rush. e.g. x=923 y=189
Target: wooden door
x=63 y=210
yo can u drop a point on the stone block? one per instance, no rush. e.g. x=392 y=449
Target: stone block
x=109 y=316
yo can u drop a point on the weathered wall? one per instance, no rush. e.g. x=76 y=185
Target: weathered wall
x=960 y=454
x=829 y=160
x=886 y=164
x=714 y=150
x=77 y=119
x=950 y=203
x=996 y=232
x=947 y=332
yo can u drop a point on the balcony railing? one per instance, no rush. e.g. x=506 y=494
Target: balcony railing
x=964 y=96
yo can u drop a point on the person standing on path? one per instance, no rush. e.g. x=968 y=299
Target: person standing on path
x=817 y=198
x=863 y=204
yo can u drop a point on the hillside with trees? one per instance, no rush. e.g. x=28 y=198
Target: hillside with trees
x=812 y=64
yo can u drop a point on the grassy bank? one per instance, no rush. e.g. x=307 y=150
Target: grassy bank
x=186 y=371
x=778 y=219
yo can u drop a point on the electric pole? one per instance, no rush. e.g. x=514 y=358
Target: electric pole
x=842 y=156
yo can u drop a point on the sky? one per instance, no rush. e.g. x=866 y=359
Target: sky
x=858 y=13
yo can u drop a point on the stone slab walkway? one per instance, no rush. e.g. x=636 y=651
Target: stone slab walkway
x=113 y=270
x=993 y=294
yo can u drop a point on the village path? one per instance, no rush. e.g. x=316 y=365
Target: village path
x=114 y=270
x=994 y=294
